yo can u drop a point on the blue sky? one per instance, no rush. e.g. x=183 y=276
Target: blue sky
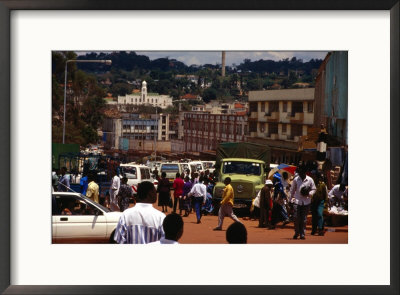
x=232 y=57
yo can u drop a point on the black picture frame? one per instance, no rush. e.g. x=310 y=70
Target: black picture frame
x=7 y=6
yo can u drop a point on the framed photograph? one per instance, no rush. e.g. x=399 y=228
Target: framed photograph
x=31 y=31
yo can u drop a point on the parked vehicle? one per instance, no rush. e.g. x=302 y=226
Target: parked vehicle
x=136 y=173
x=171 y=169
x=246 y=164
x=77 y=219
x=184 y=167
x=209 y=165
x=196 y=166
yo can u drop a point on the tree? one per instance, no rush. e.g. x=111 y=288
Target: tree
x=209 y=94
x=121 y=89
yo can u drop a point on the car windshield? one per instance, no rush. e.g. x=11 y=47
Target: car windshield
x=170 y=168
x=207 y=165
x=242 y=168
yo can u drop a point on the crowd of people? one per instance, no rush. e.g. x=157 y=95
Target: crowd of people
x=285 y=200
x=282 y=199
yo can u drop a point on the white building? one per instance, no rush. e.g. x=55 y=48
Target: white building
x=144 y=98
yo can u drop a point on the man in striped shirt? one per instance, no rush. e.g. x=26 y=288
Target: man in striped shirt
x=142 y=223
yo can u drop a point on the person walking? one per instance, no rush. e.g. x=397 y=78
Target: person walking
x=141 y=224
x=178 y=190
x=163 y=190
x=84 y=183
x=125 y=193
x=92 y=191
x=114 y=188
x=265 y=204
x=199 y=193
x=318 y=202
x=185 y=196
x=302 y=189
x=226 y=208
x=63 y=182
x=173 y=229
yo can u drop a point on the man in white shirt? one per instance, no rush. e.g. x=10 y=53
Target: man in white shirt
x=337 y=195
x=141 y=224
x=303 y=187
x=114 y=189
x=199 y=193
x=173 y=229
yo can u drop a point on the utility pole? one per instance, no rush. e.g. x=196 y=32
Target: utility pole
x=155 y=137
x=223 y=63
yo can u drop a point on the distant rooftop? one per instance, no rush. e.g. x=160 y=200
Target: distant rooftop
x=282 y=94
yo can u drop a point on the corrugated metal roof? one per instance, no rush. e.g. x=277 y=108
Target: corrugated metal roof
x=282 y=94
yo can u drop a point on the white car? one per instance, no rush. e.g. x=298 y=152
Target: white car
x=209 y=165
x=137 y=173
x=196 y=166
x=77 y=219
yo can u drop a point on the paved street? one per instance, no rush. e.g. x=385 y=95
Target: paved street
x=203 y=233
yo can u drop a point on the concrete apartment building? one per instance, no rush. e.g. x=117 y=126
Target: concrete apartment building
x=281 y=119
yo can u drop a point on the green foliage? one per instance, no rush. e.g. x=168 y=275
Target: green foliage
x=209 y=94
x=121 y=89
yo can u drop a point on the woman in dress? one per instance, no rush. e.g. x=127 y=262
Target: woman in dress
x=178 y=187
x=163 y=189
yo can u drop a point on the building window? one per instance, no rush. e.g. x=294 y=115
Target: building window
x=297 y=107
x=238 y=129
x=262 y=106
x=285 y=106
x=253 y=126
x=274 y=106
x=284 y=127
x=164 y=119
x=297 y=130
x=273 y=128
x=262 y=127
x=310 y=106
x=131 y=100
x=253 y=107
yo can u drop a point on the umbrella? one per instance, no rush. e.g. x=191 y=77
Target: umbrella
x=290 y=169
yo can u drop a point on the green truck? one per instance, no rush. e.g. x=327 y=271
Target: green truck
x=247 y=164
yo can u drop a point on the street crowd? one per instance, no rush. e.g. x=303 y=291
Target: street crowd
x=280 y=200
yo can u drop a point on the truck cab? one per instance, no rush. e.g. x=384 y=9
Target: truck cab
x=247 y=179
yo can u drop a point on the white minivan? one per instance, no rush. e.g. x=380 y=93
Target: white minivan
x=136 y=173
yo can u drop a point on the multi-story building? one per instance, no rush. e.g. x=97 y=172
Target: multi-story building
x=135 y=132
x=144 y=98
x=331 y=95
x=203 y=131
x=281 y=119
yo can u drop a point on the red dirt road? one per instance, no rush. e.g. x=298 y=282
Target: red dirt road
x=203 y=233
